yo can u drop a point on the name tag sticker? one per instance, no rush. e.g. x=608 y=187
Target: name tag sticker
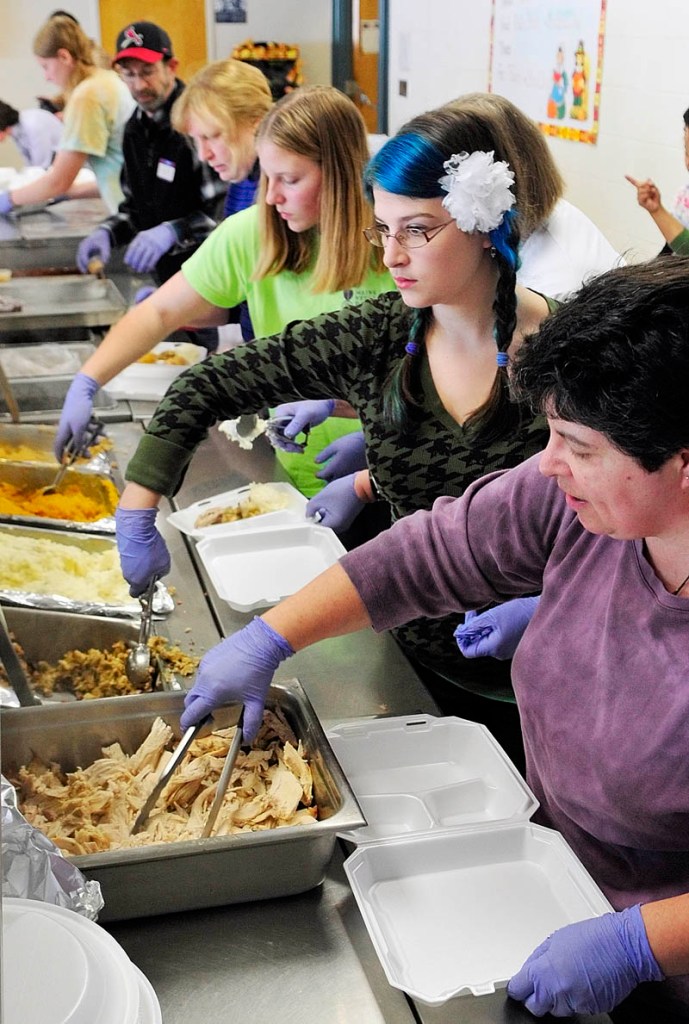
x=166 y=170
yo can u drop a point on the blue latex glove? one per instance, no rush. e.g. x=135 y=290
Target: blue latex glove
x=97 y=246
x=303 y=416
x=497 y=632
x=143 y=293
x=342 y=456
x=237 y=669
x=143 y=553
x=6 y=204
x=337 y=504
x=588 y=967
x=76 y=414
x=146 y=249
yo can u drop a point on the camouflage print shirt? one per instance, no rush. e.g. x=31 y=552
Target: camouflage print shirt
x=346 y=354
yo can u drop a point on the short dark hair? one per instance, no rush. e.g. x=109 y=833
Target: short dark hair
x=8 y=116
x=685 y=115
x=615 y=358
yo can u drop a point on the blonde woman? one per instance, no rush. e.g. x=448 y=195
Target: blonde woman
x=299 y=251
x=98 y=105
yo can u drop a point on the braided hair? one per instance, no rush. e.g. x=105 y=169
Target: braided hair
x=411 y=164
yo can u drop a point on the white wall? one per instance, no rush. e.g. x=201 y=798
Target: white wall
x=441 y=48
x=308 y=23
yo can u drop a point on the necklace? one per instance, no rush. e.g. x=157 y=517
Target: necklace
x=684 y=582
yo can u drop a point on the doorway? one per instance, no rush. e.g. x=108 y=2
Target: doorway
x=185 y=23
x=360 y=57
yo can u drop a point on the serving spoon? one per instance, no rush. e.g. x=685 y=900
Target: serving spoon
x=138 y=664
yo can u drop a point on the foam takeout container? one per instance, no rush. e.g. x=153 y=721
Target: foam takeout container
x=258 y=567
x=456 y=886
x=148 y=382
x=293 y=512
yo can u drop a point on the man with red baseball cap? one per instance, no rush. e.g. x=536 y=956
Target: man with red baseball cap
x=172 y=201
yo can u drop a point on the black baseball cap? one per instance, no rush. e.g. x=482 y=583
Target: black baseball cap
x=142 y=40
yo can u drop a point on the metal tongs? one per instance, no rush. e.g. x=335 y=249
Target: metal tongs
x=225 y=776
x=167 y=772
x=73 y=452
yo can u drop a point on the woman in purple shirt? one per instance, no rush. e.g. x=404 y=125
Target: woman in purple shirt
x=599 y=522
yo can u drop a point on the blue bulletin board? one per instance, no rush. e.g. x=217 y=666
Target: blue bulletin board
x=547 y=57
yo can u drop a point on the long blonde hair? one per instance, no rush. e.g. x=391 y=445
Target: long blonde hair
x=322 y=124
x=62 y=33
x=229 y=93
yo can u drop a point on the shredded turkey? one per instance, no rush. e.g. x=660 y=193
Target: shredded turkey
x=93 y=809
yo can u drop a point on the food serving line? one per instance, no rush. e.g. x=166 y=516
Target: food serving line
x=305 y=957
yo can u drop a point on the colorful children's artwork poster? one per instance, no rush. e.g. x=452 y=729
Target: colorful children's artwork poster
x=547 y=57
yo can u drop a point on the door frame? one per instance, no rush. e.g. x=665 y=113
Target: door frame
x=342 y=54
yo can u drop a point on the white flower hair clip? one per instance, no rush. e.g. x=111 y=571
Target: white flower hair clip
x=478 y=190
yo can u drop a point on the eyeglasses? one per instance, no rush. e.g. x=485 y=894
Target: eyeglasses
x=409 y=238
x=145 y=72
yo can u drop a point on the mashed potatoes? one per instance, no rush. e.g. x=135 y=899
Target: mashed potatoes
x=49 y=567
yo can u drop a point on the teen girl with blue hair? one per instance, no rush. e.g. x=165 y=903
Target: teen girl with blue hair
x=424 y=367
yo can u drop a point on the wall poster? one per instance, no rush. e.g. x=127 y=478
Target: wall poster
x=547 y=57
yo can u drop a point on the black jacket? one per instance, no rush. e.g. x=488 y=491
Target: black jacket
x=191 y=203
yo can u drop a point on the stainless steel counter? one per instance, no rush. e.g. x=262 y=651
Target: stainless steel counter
x=49 y=238
x=305 y=958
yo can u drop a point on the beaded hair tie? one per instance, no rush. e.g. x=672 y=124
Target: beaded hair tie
x=502 y=359
x=411 y=348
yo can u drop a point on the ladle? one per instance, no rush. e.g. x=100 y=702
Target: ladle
x=138 y=665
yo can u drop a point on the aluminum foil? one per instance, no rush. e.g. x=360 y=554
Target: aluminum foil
x=163 y=603
x=33 y=867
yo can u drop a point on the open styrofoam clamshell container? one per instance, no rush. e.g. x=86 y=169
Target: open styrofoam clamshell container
x=148 y=382
x=257 y=568
x=79 y=973
x=456 y=886
x=293 y=512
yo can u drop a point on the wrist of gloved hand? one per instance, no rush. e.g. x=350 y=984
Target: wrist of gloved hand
x=143 y=553
x=148 y=246
x=337 y=505
x=76 y=414
x=587 y=967
x=301 y=416
x=495 y=633
x=6 y=204
x=241 y=669
x=98 y=245
x=344 y=455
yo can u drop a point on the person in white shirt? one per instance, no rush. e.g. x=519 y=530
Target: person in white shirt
x=36 y=133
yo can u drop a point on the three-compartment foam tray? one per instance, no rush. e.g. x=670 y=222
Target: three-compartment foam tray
x=456 y=886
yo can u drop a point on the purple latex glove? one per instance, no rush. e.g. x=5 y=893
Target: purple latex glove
x=342 y=456
x=76 y=414
x=303 y=416
x=587 y=967
x=143 y=553
x=237 y=669
x=497 y=632
x=337 y=504
x=6 y=204
x=143 y=293
x=146 y=249
x=97 y=246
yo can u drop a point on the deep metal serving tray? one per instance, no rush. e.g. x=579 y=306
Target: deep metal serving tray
x=88 y=542
x=166 y=878
x=92 y=485
x=67 y=300
x=47 y=395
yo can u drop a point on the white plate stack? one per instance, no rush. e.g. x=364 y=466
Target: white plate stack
x=61 y=968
